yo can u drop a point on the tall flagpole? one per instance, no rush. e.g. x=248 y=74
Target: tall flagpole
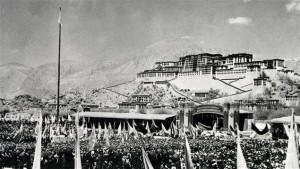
x=58 y=74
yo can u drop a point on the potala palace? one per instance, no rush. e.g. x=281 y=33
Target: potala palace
x=234 y=75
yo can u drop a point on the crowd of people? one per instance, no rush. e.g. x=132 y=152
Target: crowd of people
x=164 y=153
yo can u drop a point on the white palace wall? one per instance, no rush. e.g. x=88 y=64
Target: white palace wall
x=247 y=82
x=232 y=75
x=154 y=79
x=202 y=82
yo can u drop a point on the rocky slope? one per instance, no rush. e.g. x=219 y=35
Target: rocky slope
x=12 y=76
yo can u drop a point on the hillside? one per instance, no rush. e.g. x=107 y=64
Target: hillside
x=41 y=81
x=12 y=75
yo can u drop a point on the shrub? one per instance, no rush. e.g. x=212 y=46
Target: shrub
x=281 y=113
x=271 y=114
x=4 y=110
x=262 y=114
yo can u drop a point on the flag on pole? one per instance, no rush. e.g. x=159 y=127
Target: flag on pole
x=292 y=159
x=297 y=136
x=146 y=160
x=241 y=162
x=106 y=138
x=80 y=130
x=69 y=117
x=36 y=129
x=92 y=139
x=18 y=136
x=53 y=119
x=125 y=135
x=77 y=148
x=188 y=157
x=38 y=146
x=214 y=130
x=64 y=129
x=192 y=131
x=72 y=133
x=51 y=130
x=175 y=129
x=46 y=120
x=135 y=134
x=164 y=129
x=46 y=132
x=110 y=130
x=286 y=129
x=109 y=126
x=57 y=131
x=122 y=139
x=105 y=129
x=99 y=130
x=85 y=131
x=148 y=128
x=153 y=123
x=120 y=129
x=233 y=131
x=130 y=129
x=59 y=16
x=63 y=119
x=133 y=123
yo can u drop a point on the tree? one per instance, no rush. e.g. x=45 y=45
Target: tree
x=27 y=101
x=289 y=82
x=263 y=74
x=4 y=110
x=213 y=94
x=267 y=92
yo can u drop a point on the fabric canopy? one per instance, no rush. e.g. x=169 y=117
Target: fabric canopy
x=124 y=115
x=245 y=111
x=285 y=120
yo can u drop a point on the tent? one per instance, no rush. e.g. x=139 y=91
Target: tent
x=285 y=120
x=116 y=118
x=112 y=115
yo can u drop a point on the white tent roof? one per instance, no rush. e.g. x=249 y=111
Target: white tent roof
x=285 y=120
x=245 y=111
x=124 y=115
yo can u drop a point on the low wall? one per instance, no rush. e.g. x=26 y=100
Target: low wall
x=231 y=98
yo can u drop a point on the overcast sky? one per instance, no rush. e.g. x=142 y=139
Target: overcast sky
x=101 y=29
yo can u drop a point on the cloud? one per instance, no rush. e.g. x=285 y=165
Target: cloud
x=186 y=37
x=240 y=20
x=246 y=1
x=293 y=5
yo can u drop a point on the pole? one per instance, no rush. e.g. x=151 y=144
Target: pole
x=58 y=74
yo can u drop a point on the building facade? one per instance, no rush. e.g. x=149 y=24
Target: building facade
x=234 y=65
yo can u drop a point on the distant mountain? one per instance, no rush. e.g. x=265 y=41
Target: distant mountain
x=12 y=76
x=77 y=76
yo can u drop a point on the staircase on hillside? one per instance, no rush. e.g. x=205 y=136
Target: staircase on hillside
x=247 y=85
x=178 y=92
x=239 y=89
x=116 y=92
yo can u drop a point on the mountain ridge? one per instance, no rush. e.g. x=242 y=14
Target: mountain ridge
x=41 y=81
